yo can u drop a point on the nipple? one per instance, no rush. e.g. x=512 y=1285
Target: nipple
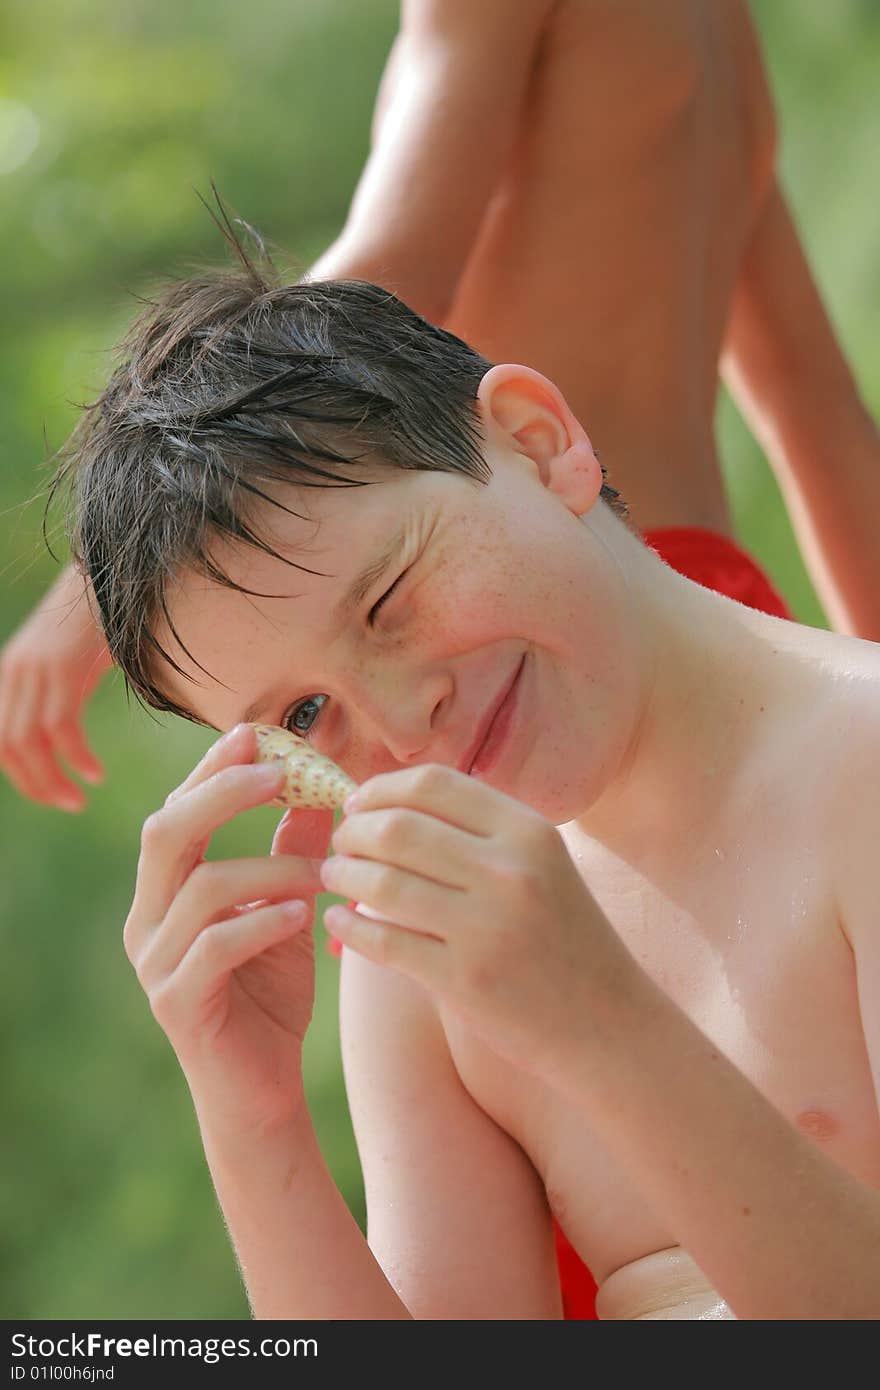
x=818 y=1124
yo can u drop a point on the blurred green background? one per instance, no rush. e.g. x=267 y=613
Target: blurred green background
x=111 y=113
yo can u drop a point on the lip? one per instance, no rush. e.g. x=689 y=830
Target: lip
x=471 y=756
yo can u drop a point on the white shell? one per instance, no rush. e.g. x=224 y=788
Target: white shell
x=311 y=780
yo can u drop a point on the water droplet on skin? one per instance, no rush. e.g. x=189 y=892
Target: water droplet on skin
x=798 y=910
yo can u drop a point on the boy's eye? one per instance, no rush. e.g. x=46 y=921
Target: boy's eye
x=387 y=594
x=303 y=715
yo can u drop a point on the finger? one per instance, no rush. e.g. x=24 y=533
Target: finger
x=19 y=721
x=209 y=895
x=237 y=746
x=406 y=899
x=304 y=832
x=66 y=735
x=21 y=715
x=174 y=839
x=9 y=699
x=10 y=679
x=217 y=952
x=384 y=943
x=411 y=840
x=21 y=779
x=443 y=792
x=40 y=775
x=54 y=787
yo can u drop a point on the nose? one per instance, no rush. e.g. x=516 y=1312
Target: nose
x=403 y=710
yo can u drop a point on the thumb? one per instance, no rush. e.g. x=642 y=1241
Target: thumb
x=305 y=833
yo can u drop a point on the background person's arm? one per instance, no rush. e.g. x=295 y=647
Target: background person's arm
x=787 y=372
x=445 y=122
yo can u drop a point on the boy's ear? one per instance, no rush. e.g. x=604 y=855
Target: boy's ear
x=526 y=412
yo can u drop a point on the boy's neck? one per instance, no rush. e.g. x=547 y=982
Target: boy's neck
x=716 y=680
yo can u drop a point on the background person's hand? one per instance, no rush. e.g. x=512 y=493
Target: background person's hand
x=224 y=950
x=48 y=669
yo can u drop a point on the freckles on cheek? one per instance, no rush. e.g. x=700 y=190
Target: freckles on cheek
x=460 y=615
x=474 y=594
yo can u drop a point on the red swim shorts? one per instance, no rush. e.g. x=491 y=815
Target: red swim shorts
x=717 y=563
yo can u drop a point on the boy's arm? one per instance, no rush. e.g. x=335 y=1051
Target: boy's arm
x=298 y=1247
x=445 y=122
x=457 y=1214
x=458 y=1220
x=225 y=954
x=787 y=372
x=525 y=952
x=779 y=1228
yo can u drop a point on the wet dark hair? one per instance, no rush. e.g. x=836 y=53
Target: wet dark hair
x=231 y=381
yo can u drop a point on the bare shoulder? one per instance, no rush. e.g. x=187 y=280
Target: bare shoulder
x=851 y=726
x=386 y=1013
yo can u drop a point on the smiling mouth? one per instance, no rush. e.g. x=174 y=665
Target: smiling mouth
x=496 y=729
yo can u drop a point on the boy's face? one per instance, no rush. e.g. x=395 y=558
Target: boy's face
x=499 y=587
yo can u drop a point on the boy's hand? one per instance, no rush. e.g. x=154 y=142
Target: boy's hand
x=475 y=896
x=224 y=950
x=48 y=669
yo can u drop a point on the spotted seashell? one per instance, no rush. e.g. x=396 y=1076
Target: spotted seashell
x=311 y=780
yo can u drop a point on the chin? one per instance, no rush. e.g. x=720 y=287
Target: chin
x=558 y=798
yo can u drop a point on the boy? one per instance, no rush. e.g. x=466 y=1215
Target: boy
x=591 y=190
x=658 y=1022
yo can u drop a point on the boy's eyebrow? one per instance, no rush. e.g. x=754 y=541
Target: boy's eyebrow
x=361 y=586
x=355 y=594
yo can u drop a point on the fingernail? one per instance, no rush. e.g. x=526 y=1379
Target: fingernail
x=93 y=775
x=70 y=803
x=270 y=773
x=294 y=908
x=351 y=803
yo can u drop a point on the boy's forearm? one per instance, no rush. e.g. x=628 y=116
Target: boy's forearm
x=779 y=1229
x=299 y=1249
x=787 y=371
